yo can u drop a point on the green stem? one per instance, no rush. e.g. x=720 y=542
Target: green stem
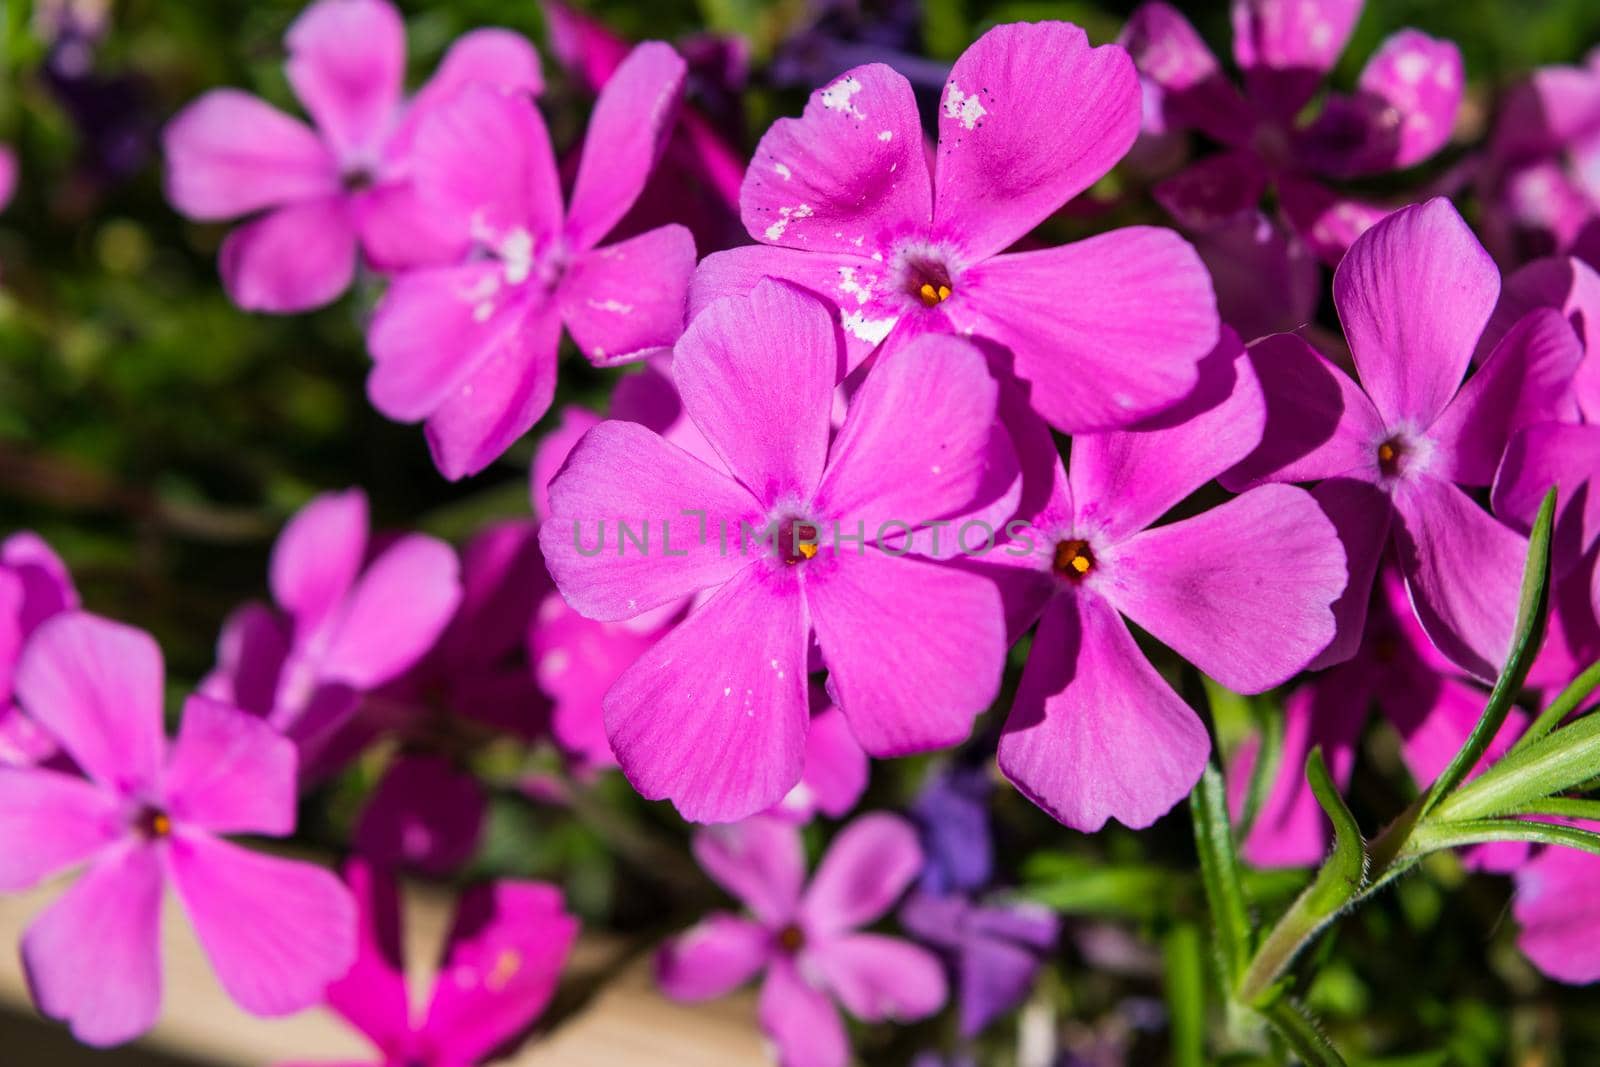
x=1565 y=704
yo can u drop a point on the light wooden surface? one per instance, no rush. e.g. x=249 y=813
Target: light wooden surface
x=624 y=1022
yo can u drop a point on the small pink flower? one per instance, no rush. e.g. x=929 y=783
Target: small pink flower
x=808 y=939
x=34 y=586
x=144 y=816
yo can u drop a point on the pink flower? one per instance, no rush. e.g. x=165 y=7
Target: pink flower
x=1557 y=906
x=1572 y=287
x=501 y=965
x=842 y=199
x=1243 y=591
x=322 y=193
x=807 y=938
x=835 y=768
x=276 y=931
x=1414 y=294
x=34 y=586
x=8 y=175
x=714 y=715
x=343 y=627
x=470 y=347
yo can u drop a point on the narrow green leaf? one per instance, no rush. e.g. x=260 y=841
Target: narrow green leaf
x=1433 y=836
x=1563 y=808
x=1563 y=759
x=1532 y=612
x=1078 y=885
x=1185 y=972
x=1219 y=870
x=1565 y=704
x=1301 y=1034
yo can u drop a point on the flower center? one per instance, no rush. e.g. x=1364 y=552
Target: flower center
x=797 y=540
x=929 y=282
x=153 y=824
x=791 y=939
x=357 y=180
x=1390 y=455
x=1073 y=559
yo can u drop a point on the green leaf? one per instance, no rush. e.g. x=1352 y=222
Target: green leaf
x=1565 y=704
x=1296 y=1028
x=1433 y=836
x=1566 y=758
x=1080 y=885
x=1532 y=612
x=1185 y=972
x=1219 y=871
x=1563 y=808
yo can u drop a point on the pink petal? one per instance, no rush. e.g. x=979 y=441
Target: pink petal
x=905 y=695
x=552 y=451
x=847 y=174
x=1194 y=90
x=577 y=661
x=801 y=1021
x=394 y=613
x=712 y=958
x=231 y=154
x=836 y=769
x=107 y=925
x=1286 y=46
x=347 y=59
x=1558 y=907
x=866 y=868
x=251 y=652
x=1267 y=280
x=318 y=555
x=1463 y=570
x=1414 y=293
x=880 y=978
x=1030 y=117
x=425 y=814
x=1570 y=285
x=230 y=772
x=628 y=130
x=502 y=963
x=713 y=716
x=1095 y=733
x=625 y=300
x=1560 y=456
x=1526 y=380
x=1124 y=481
x=295 y=258
x=1215 y=190
x=50 y=822
x=621 y=473
x=501 y=58
x=372 y=994
x=757 y=375
x=1319 y=422
x=509 y=388
x=761 y=861
x=1420 y=80
x=96 y=686
x=400 y=231
x=1328 y=222
x=1126 y=345
x=1362 y=514
x=277 y=931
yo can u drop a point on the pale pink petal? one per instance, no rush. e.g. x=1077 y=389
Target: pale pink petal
x=714 y=715
x=627 y=300
x=576 y=660
x=425 y=814
x=1463 y=571
x=230 y=772
x=848 y=174
x=50 y=822
x=914 y=648
x=552 y=452
x=1193 y=88
x=1414 y=293
x=1030 y=117
x=801 y=1021
x=1123 y=481
x=400 y=231
x=107 y=925
x=687 y=514
x=1285 y=47
x=761 y=861
x=347 y=59
x=1557 y=904
x=757 y=375
x=294 y=258
x=866 y=868
x=712 y=958
x=879 y=978
x=96 y=686
x=1095 y=733
x=394 y=613
x=318 y=555
x=372 y=994
x=277 y=931
x=1126 y=345
x=502 y=58
x=230 y=154
x=1419 y=82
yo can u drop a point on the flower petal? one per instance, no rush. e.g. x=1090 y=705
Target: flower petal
x=230 y=772
x=425 y=814
x=1142 y=315
x=1215 y=190
x=1362 y=514
x=395 y=612
x=836 y=769
x=1571 y=285
x=1194 y=91
x=294 y=258
x=347 y=59
x=878 y=978
x=50 y=822
x=107 y=925
x=231 y=154
x=1557 y=905
x=96 y=686
x=251 y=652
x=1328 y=222
x=846 y=174
x=1410 y=93
x=711 y=959
x=1566 y=458
x=277 y=931
x=801 y=1021
x=714 y=715
x=501 y=58
x=866 y=868
x=318 y=555
x=1030 y=117
x=627 y=300
x=1285 y=47
x=761 y=861
x=372 y=994
x=1095 y=733
x=1414 y=292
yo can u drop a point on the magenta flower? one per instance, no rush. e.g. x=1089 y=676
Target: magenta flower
x=141 y=817
x=343 y=627
x=8 y=175
x=844 y=203
x=34 y=586
x=322 y=194
x=1557 y=901
x=1414 y=294
x=714 y=715
x=501 y=964
x=1572 y=287
x=1402 y=113
x=470 y=347
x=807 y=939
x=1243 y=591
x=835 y=768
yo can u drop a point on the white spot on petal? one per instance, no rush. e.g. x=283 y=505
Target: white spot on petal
x=837 y=97
x=962 y=107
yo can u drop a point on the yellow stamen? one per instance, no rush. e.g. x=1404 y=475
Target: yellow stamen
x=809 y=551
x=1081 y=564
x=506 y=966
x=944 y=292
x=160 y=825
x=1073 y=559
x=932 y=295
x=1386 y=453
